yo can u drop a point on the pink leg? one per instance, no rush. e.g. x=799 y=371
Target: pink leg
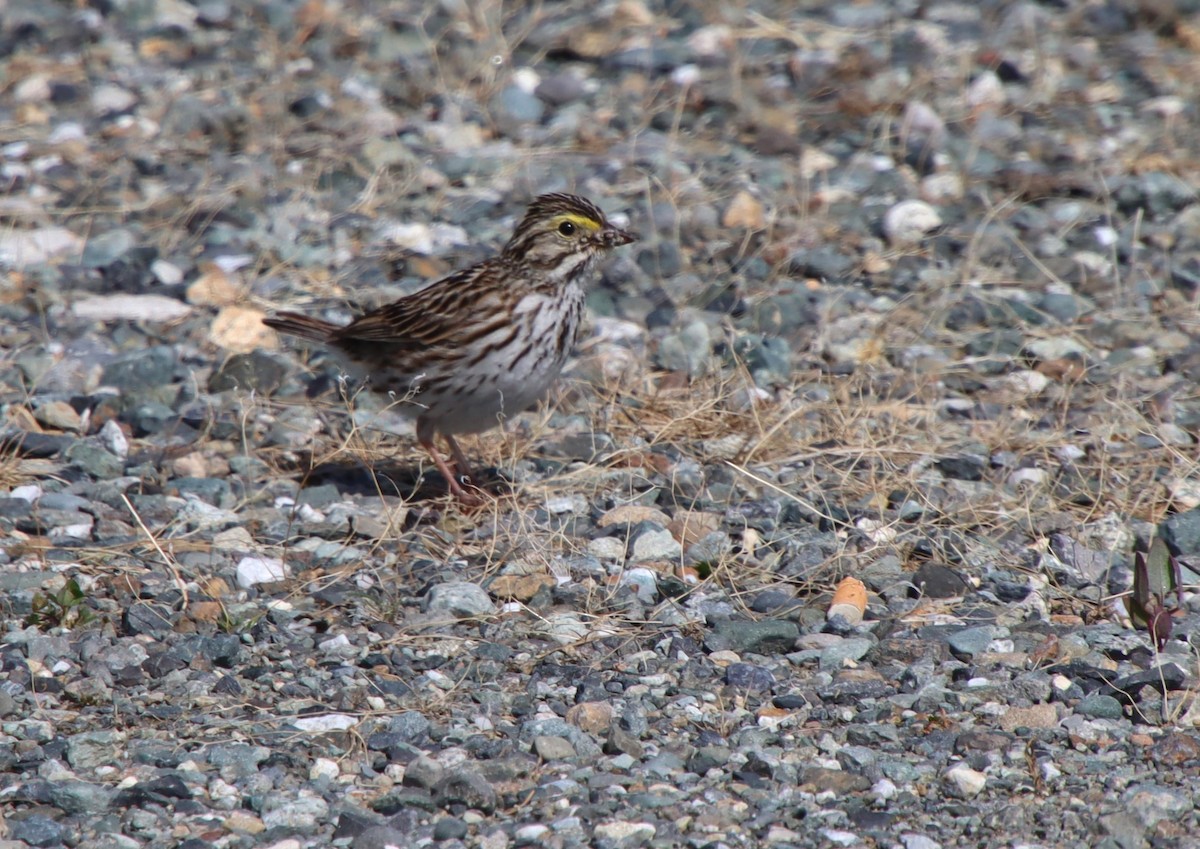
x=425 y=436
x=460 y=459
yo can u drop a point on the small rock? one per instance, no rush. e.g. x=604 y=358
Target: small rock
x=241 y=329
x=520 y=587
x=94 y=460
x=293 y=811
x=21 y=248
x=256 y=371
x=36 y=829
x=1100 y=706
x=655 y=545
x=550 y=748
x=592 y=717
x=566 y=628
x=514 y=106
x=909 y=222
x=141 y=370
x=261 y=570
x=1153 y=803
x=104 y=249
x=109 y=99
x=971 y=641
x=1034 y=716
x=749 y=677
x=466 y=787
x=158 y=308
x=324 y=723
x=623 y=835
x=58 y=415
x=767 y=637
x=632 y=514
x=745 y=212
x=644 y=583
x=114 y=439
x=91 y=749
x=607 y=548
x=461 y=599
x=937 y=580
x=964 y=782
x=213 y=288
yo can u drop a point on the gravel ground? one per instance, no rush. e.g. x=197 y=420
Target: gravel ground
x=915 y=303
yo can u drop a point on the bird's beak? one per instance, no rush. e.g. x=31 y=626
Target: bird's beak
x=613 y=237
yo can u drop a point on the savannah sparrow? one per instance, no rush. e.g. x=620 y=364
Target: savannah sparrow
x=486 y=341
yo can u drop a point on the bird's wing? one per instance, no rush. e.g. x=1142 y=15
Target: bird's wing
x=426 y=318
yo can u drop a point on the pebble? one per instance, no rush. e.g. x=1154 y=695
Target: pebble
x=261 y=570
x=655 y=545
x=909 y=222
x=23 y=248
x=153 y=308
x=460 y=599
x=964 y=782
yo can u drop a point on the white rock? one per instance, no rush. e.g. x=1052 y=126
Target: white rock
x=814 y=161
x=644 y=581
x=325 y=722
x=964 y=782
x=923 y=121
x=168 y=273
x=686 y=75
x=339 y=646
x=1026 y=383
x=566 y=504
x=81 y=531
x=909 y=221
x=19 y=248
x=919 y=841
x=986 y=90
x=1070 y=453
x=114 y=439
x=566 y=628
x=607 y=548
x=129 y=307
x=528 y=835
x=1031 y=477
x=29 y=492
x=67 y=131
x=711 y=40
x=35 y=88
x=234 y=539
x=625 y=833
x=108 y=98
x=1184 y=491
x=324 y=768
x=229 y=263
x=261 y=570
x=655 y=545
x=884 y=789
x=942 y=187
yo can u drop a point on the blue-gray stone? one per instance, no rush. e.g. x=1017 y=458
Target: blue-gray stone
x=1099 y=706
x=140 y=370
x=971 y=641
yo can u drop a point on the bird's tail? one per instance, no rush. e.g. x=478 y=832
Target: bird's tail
x=304 y=326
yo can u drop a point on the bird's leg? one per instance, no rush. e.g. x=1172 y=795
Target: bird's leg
x=426 y=433
x=460 y=459
x=451 y=479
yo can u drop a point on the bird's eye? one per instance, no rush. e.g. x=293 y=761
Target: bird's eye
x=567 y=228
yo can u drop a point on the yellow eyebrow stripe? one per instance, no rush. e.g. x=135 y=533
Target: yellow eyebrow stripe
x=580 y=221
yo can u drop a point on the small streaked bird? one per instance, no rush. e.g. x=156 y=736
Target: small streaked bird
x=485 y=342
